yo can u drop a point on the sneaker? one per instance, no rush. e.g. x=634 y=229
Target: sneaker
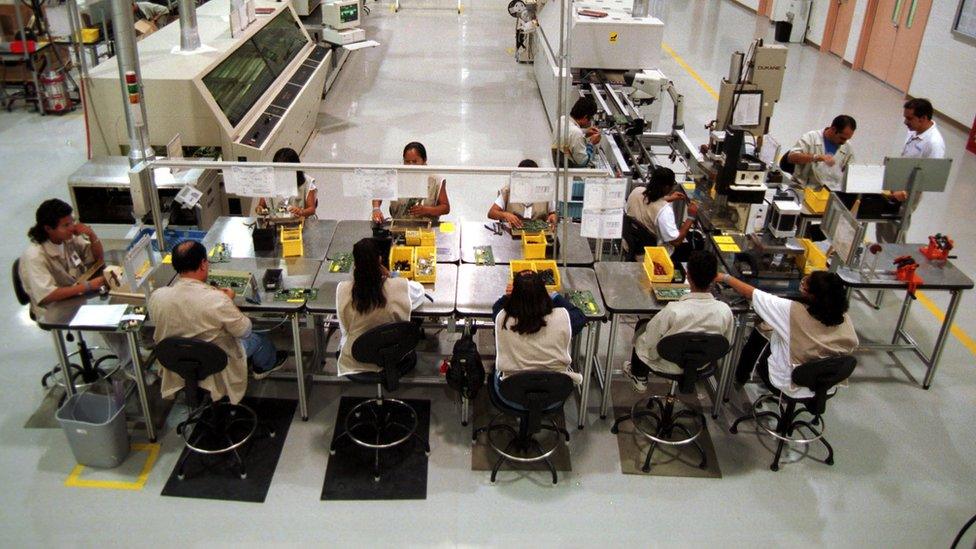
x=638 y=383
x=280 y=359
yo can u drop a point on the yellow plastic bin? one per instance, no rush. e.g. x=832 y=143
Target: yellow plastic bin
x=425 y=266
x=291 y=242
x=659 y=255
x=403 y=253
x=534 y=246
x=517 y=266
x=812 y=258
x=816 y=201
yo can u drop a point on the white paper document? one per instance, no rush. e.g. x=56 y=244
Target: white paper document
x=254 y=182
x=411 y=185
x=600 y=193
x=528 y=187
x=602 y=223
x=748 y=109
x=99 y=315
x=370 y=184
x=863 y=178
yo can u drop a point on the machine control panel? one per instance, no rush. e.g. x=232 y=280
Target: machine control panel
x=259 y=132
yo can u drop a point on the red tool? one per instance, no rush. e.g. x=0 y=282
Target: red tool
x=939 y=247
x=906 y=272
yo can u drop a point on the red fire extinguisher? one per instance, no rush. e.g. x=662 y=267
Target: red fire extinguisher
x=54 y=92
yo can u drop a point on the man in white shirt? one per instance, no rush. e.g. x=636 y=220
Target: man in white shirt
x=697 y=311
x=924 y=140
x=578 y=146
x=822 y=156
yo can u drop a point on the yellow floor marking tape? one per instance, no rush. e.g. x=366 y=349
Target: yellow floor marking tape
x=931 y=307
x=74 y=480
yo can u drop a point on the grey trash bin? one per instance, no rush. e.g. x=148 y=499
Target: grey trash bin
x=96 y=429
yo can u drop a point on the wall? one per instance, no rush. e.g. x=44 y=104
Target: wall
x=818 y=20
x=946 y=68
x=751 y=4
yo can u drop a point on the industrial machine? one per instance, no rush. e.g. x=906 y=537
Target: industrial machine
x=750 y=92
x=247 y=96
x=341 y=20
x=305 y=7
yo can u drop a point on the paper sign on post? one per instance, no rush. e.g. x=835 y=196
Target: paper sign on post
x=370 y=184
x=602 y=224
x=254 y=182
x=411 y=185
x=603 y=194
x=528 y=187
x=286 y=184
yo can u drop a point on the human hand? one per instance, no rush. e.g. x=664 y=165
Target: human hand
x=82 y=229
x=295 y=210
x=508 y=289
x=594 y=137
x=377 y=216
x=828 y=159
x=553 y=219
x=385 y=271
x=512 y=219
x=228 y=292
x=692 y=209
x=900 y=196
x=97 y=283
x=676 y=195
x=420 y=210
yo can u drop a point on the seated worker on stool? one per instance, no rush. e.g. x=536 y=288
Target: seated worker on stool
x=372 y=298
x=651 y=207
x=61 y=251
x=815 y=327
x=432 y=207
x=697 y=311
x=579 y=143
x=534 y=329
x=514 y=212
x=303 y=205
x=192 y=308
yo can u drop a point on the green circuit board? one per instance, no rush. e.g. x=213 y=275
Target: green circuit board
x=584 y=301
x=341 y=264
x=670 y=293
x=239 y=281
x=296 y=294
x=483 y=255
x=532 y=226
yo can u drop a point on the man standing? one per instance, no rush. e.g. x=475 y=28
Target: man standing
x=923 y=141
x=822 y=156
x=578 y=146
x=191 y=308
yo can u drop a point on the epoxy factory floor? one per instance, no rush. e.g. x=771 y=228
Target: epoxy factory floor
x=904 y=473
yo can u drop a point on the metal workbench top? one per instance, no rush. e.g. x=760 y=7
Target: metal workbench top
x=349 y=232
x=626 y=290
x=479 y=286
x=296 y=273
x=936 y=275
x=236 y=231
x=443 y=291
x=505 y=248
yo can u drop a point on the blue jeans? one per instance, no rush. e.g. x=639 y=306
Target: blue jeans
x=260 y=351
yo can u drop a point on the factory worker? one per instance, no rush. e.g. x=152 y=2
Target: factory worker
x=651 y=207
x=581 y=136
x=514 y=212
x=821 y=156
x=303 y=205
x=432 y=207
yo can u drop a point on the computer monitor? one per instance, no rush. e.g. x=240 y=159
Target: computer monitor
x=343 y=14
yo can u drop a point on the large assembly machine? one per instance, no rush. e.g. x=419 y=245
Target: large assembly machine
x=247 y=95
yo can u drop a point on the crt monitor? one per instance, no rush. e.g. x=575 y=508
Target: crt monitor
x=342 y=14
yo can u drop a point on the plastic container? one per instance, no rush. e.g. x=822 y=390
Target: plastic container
x=658 y=254
x=517 y=266
x=420 y=237
x=816 y=200
x=429 y=252
x=96 y=430
x=403 y=253
x=291 y=242
x=534 y=246
x=783 y=31
x=428 y=237
x=813 y=259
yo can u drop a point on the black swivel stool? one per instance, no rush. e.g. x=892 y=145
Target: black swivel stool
x=819 y=376
x=540 y=396
x=211 y=428
x=637 y=237
x=696 y=353
x=84 y=375
x=392 y=347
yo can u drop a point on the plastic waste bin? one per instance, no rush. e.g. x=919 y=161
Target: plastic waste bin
x=96 y=429
x=783 y=31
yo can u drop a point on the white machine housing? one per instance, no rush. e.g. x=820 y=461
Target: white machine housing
x=178 y=101
x=784 y=219
x=341 y=14
x=616 y=42
x=305 y=8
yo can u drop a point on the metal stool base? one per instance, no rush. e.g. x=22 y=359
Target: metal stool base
x=665 y=424
x=786 y=423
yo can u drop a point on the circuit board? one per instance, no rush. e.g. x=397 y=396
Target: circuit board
x=130 y=320
x=583 y=299
x=483 y=255
x=532 y=226
x=239 y=281
x=297 y=295
x=341 y=264
x=220 y=253
x=670 y=292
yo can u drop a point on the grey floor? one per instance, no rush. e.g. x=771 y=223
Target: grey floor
x=904 y=474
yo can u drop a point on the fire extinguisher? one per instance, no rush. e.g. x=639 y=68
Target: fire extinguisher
x=54 y=92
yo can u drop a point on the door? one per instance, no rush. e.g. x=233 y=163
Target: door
x=896 y=37
x=844 y=15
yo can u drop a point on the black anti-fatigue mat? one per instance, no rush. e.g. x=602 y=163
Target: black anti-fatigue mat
x=260 y=454
x=403 y=469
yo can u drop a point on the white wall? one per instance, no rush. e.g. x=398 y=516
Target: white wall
x=946 y=69
x=818 y=20
x=751 y=4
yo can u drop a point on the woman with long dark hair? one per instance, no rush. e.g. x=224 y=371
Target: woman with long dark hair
x=372 y=298
x=304 y=203
x=534 y=329
x=651 y=207
x=816 y=326
x=432 y=206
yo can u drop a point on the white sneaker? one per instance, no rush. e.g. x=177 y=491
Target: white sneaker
x=639 y=384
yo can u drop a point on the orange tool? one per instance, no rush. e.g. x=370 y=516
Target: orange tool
x=906 y=272
x=939 y=247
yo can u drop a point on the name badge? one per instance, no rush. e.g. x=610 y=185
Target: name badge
x=75 y=259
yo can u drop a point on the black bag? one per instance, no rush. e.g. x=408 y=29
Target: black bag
x=465 y=373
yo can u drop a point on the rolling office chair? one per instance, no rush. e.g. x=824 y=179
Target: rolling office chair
x=636 y=236
x=211 y=428
x=539 y=396
x=84 y=375
x=392 y=348
x=696 y=353
x=819 y=376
